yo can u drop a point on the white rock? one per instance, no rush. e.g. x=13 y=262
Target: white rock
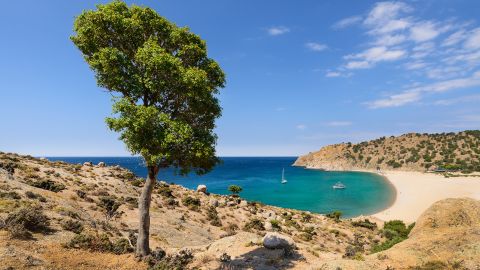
x=243 y=203
x=231 y=203
x=43 y=159
x=268 y=226
x=273 y=240
x=87 y=164
x=202 y=188
x=213 y=202
x=101 y=164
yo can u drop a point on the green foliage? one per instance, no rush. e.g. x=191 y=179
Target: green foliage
x=178 y=261
x=10 y=195
x=212 y=215
x=335 y=215
x=395 y=231
x=110 y=207
x=167 y=83
x=100 y=243
x=165 y=191
x=235 y=189
x=191 y=203
x=22 y=222
x=366 y=223
x=275 y=224
x=32 y=195
x=72 y=225
x=48 y=185
x=254 y=223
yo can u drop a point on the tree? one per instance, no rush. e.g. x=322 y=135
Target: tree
x=235 y=189
x=164 y=87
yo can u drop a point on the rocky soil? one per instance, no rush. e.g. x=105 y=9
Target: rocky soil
x=91 y=219
x=408 y=152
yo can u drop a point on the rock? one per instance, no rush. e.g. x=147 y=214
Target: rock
x=202 y=188
x=273 y=240
x=268 y=226
x=231 y=203
x=213 y=202
x=243 y=203
x=87 y=164
x=101 y=164
x=43 y=159
x=225 y=258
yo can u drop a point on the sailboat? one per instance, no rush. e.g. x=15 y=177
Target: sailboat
x=339 y=185
x=284 y=181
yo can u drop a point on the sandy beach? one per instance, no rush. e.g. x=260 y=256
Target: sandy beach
x=417 y=191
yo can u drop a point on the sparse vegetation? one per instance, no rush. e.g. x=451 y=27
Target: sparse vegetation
x=335 y=215
x=48 y=185
x=21 y=223
x=100 y=243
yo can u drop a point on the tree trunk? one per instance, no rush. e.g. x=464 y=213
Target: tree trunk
x=143 y=246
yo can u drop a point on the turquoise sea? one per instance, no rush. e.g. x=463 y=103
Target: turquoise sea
x=307 y=189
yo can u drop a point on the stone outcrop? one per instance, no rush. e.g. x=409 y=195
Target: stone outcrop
x=273 y=240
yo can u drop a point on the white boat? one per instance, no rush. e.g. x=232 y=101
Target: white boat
x=284 y=181
x=339 y=185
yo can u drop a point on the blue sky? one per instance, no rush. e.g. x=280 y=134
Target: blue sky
x=300 y=74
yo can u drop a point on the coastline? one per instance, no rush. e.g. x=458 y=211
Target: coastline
x=417 y=191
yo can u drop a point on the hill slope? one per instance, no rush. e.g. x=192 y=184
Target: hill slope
x=412 y=151
x=85 y=217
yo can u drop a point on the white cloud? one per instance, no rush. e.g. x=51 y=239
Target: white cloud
x=369 y=57
x=358 y=65
x=301 y=127
x=385 y=11
x=347 y=22
x=332 y=74
x=473 y=40
x=415 y=94
x=423 y=31
x=395 y=100
x=314 y=46
x=415 y=65
x=390 y=40
x=278 y=30
x=454 y=38
x=339 y=123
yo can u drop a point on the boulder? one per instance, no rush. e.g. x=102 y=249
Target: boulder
x=273 y=240
x=243 y=203
x=87 y=164
x=213 y=202
x=202 y=188
x=101 y=164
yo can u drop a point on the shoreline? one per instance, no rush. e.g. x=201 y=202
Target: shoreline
x=415 y=192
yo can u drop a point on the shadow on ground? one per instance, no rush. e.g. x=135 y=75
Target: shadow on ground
x=263 y=259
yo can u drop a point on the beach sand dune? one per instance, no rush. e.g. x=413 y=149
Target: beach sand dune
x=417 y=191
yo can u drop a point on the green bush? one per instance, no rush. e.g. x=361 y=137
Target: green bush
x=72 y=225
x=235 y=189
x=32 y=195
x=335 y=215
x=165 y=191
x=48 y=185
x=366 y=223
x=22 y=222
x=10 y=195
x=275 y=224
x=254 y=223
x=110 y=207
x=100 y=243
x=395 y=231
x=212 y=215
x=191 y=203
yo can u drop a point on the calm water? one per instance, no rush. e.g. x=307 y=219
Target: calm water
x=260 y=177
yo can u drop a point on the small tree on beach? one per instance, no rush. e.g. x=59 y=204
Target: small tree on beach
x=235 y=189
x=164 y=88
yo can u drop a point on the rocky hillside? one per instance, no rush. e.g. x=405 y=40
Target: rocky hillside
x=412 y=151
x=55 y=215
